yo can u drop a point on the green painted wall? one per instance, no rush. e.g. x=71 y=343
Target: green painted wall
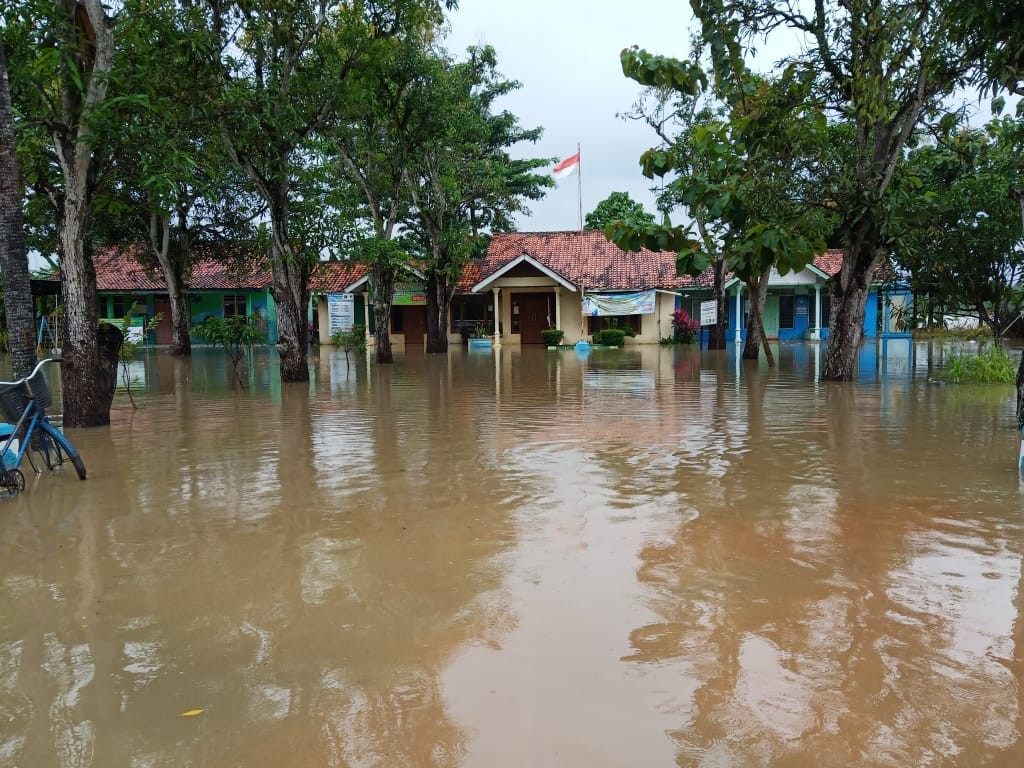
x=771 y=316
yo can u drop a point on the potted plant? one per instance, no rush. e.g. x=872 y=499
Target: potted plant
x=481 y=338
x=552 y=336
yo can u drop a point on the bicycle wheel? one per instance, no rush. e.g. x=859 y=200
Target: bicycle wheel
x=55 y=446
x=14 y=481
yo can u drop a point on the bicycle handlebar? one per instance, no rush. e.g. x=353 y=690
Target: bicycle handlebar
x=35 y=370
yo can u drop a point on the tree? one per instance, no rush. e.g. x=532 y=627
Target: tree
x=375 y=142
x=286 y=65
x=388 y=262
x=174 y=186
x=746 y=174
x=13 y=256
x=879 y=66
x=673 y=114
x=463 y=183
x=65 y=70
x=964 y=246
x=618 y=206
x=993 y=33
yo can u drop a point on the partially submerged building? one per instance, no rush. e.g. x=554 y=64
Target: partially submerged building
x=577 y=282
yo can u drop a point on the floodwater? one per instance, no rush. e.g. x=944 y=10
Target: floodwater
x=646 y=557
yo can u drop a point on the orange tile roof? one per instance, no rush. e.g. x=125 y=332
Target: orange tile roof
x=118 y=269
x=831 y=261
x=336 y=276
x=583 y=258
x=586 y=258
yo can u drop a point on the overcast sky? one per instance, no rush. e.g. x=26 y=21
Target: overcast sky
x=566 y=55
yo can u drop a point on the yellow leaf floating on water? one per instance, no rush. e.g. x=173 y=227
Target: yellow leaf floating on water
x=192 y=713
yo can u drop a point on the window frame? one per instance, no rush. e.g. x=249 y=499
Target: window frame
x=234 y=300
x=789 y=299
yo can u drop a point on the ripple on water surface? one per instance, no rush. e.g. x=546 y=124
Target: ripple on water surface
x=650 y=556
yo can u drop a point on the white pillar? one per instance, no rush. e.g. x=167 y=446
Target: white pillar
x=739 y=314
x=558 y=306
x=497 y=318
x=816 y=330
x=366 y=314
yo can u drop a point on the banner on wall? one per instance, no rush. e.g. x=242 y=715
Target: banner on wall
x=340 y=312
x=708 y=312
x=603 y=304
x=410 y=294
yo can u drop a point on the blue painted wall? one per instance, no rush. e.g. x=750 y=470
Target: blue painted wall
x=801 y=317
x=871 y=315
x=801 y=320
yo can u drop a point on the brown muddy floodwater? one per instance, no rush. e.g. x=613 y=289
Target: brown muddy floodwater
x=642 y=558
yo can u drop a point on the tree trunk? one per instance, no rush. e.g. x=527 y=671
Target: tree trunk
x=757 y=292
x=718 y=331
x=849 y=297
x=109 y=340
x=290 y=289
x=383 y=274
x=1020 y=394
x=83 y=404
x=438 y=295
x=291 y=297
x=172 y=264
x=382 y=319
x=13 y=257
x=181 y=322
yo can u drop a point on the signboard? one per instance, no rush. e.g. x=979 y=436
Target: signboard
x=340 y=312
x=616 y=304
x=708 y=312
x=410 y=294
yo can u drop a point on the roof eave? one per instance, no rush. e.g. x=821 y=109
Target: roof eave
x=525 y=258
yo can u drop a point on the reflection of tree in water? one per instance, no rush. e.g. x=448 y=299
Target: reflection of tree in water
x=311 y=625
x=825 y=622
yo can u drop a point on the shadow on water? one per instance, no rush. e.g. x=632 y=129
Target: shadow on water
x=637 y=557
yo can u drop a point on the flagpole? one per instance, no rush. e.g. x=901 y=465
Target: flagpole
x=579 y=240
x=579 y=184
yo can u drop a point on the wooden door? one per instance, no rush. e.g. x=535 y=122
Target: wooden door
x=414 y=325
x=164 y=331
x=536 y=312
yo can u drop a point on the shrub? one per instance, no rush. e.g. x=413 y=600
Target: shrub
x=684 y=327
x=610 y=337
x=350 y=341
x=126 y=354
x=993 y=366
x=552 y=336
x=233 y=334
x=966 y=334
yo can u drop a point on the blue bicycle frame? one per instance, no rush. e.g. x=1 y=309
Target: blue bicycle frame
x=24 y=401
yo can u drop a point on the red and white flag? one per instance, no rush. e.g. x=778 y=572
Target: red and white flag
x=567 y=167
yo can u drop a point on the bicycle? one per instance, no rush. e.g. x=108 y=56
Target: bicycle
x=24 y=403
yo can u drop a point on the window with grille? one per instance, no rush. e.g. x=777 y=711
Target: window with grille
x=786 y=311
x=234 y=305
